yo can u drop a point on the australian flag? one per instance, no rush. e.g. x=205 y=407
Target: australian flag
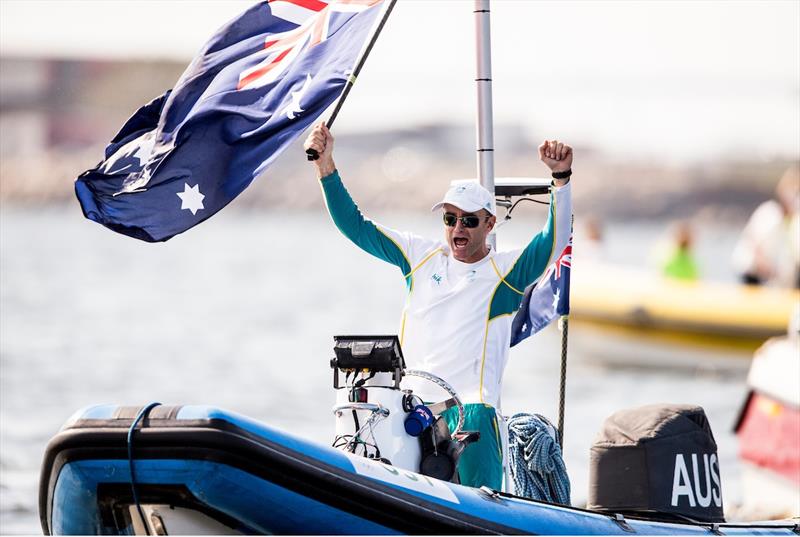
x=546 y=300
x=256 y=85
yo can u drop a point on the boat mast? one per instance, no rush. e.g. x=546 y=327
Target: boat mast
x=483 y=81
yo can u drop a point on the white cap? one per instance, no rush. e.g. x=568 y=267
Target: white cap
x=469 y=196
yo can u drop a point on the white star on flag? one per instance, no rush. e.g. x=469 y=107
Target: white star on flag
x=556 y=298
x=191 y=198
x=294 y=107
x=143 y=144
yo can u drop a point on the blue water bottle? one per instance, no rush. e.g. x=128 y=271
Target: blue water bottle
x=418 y=420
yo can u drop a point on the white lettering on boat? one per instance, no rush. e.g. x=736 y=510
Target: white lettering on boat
x=697 y=494
x=403 y=478
x=717 y=491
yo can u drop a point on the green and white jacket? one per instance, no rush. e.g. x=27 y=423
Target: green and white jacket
x=456 y=322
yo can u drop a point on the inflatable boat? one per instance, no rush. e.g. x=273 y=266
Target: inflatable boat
x=157 y=470
x=768 y=428
x=200 y=470
x=634 y=304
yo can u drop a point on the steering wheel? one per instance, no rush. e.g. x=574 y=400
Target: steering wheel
x=446 y=387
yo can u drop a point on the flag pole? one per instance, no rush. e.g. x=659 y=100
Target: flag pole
x=483 y=81
x=312 y=154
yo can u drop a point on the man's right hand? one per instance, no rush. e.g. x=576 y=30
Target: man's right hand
x=321 y=140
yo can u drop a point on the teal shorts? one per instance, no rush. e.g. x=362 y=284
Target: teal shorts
x=482 y=461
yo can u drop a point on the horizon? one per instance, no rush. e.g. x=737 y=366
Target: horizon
x=614 y=75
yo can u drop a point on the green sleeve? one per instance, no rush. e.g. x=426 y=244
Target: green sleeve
x=363 y=232
x=536 y=255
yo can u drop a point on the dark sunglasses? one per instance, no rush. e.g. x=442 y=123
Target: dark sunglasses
x=468 y=221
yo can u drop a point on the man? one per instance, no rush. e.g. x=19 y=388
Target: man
x=462 y=295
x=768 y=250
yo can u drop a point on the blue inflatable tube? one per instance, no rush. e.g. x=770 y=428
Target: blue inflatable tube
x=238 y=475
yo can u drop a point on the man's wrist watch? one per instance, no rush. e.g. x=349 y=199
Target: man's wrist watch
x=562 y=175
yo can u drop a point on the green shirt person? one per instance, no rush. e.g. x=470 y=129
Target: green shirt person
x=680 y=263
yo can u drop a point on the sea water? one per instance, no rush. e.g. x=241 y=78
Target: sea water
x=240 y=312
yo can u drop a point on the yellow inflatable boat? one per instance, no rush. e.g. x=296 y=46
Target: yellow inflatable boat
x=631 y=301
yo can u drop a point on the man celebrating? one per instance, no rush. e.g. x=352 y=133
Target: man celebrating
x=462 y=295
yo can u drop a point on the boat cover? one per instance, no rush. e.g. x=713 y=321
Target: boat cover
x=657 y=459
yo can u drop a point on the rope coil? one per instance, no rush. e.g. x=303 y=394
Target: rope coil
x=535 y=459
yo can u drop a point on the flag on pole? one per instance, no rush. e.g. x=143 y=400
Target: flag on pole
x=545 y=300
x=255 y=86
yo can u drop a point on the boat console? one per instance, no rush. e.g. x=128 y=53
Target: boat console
x=378 y=420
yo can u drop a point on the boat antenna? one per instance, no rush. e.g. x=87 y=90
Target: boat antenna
x=483 y=81
x=564 y=325
x=312 y=154
x=562 y=391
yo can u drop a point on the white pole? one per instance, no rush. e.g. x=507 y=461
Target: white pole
x=483 y=80
x=485 y=142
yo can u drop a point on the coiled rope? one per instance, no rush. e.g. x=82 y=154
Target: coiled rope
x=535 y=459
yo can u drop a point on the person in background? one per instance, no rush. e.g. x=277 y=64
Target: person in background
x=768 y=250
x=679 y=263
x=589 y=244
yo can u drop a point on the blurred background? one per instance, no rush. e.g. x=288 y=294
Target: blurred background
x=684 y=117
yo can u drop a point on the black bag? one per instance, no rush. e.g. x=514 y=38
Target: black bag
x=657 y=459
x=441 y=451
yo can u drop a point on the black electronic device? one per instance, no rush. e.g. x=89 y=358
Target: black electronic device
x=372 y=354
x=520 y=186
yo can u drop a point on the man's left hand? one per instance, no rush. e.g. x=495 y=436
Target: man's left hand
x=556 y=155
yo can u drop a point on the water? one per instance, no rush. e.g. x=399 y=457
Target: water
x=240 y=313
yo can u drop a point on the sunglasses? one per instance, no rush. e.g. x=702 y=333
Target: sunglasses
x=468 y=221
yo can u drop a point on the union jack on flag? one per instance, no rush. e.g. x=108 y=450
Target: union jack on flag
x=546 y=300
x=563 y=261
x=314 y=25
x=259 y=82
